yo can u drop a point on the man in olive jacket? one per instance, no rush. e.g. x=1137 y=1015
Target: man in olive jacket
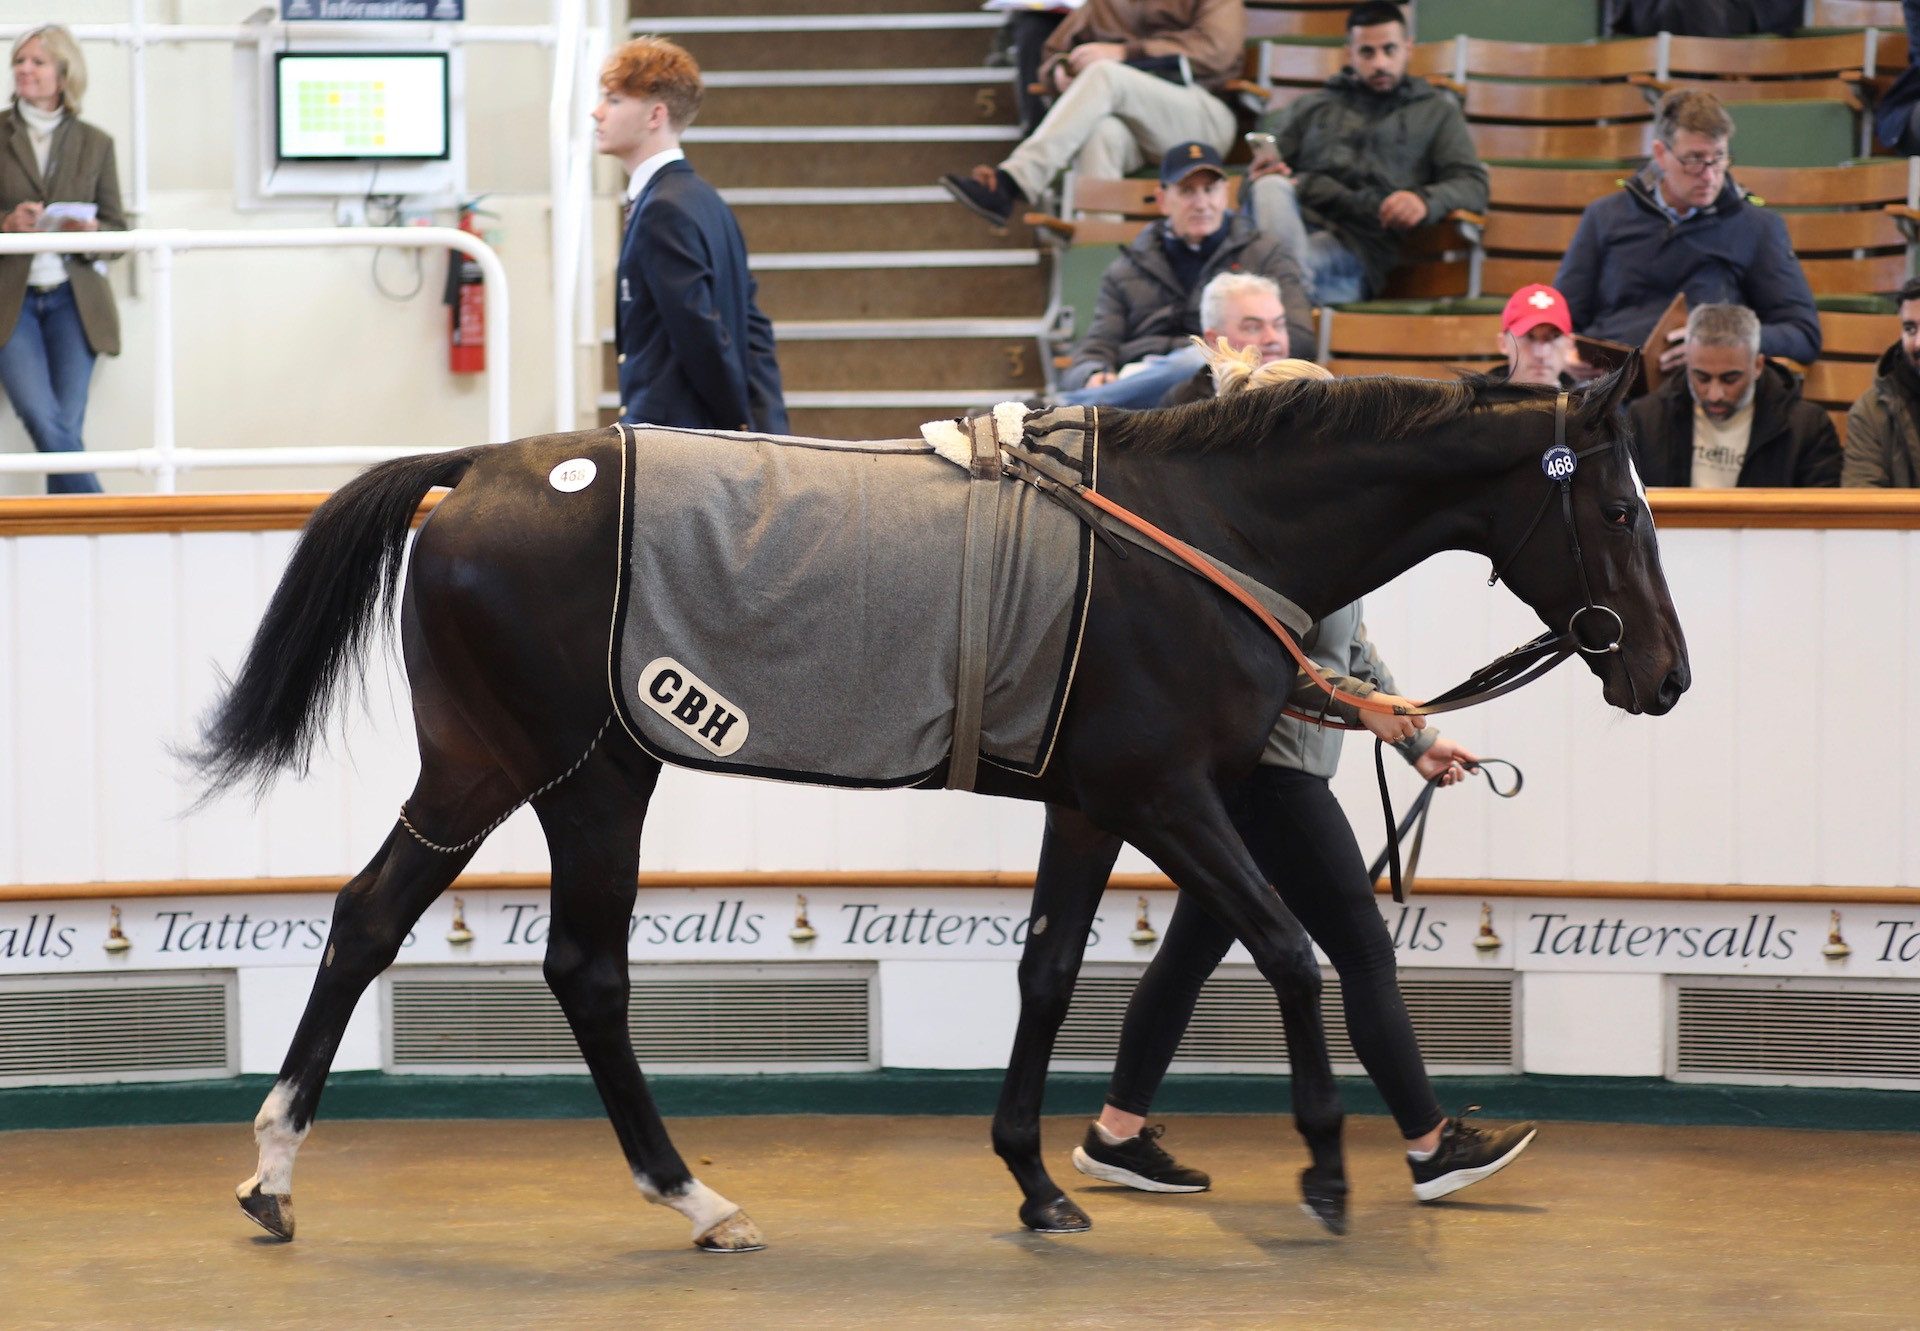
x=1149 y=303
x=1362 y=162
x=1883 y=427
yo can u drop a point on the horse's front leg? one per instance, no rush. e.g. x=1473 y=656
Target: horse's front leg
x=1075 y=859
x=1190 y=836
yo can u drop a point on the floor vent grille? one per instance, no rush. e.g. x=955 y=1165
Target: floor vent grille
x=1464 y=1020
x=681 y=1018
x=115 y=1028
x=1796 y=1032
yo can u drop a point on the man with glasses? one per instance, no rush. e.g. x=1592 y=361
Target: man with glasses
x=1683 y=225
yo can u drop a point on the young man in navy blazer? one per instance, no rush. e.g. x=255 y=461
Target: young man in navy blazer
x=695 y=350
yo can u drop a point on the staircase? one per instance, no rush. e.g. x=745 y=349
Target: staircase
x=825 y=127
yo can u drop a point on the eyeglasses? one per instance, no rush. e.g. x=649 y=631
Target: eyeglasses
x=1695 y=164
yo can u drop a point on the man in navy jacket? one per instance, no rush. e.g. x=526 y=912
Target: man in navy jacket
x=1683 y=225
x=695 y=350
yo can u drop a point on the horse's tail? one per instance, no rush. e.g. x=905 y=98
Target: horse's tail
x=338 y=589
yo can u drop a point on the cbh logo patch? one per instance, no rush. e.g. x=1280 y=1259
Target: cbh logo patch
x=694 y=706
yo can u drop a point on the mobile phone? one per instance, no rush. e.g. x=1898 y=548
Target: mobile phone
x=1261 y=145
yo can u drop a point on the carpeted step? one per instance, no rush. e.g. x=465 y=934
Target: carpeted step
x=929 y=355
x=915 y=218
x=859 y=97
x=926 y=290
x=856 y=41
x=742 y=157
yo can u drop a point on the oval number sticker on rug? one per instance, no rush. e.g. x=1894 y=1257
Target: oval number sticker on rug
x=573 y=474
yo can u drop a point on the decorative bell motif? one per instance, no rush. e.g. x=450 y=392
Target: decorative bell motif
x=1836 y=947
x=1143 y=930
x=459 y=934
x=117 y=942
x=802 y=931
x=1486 y=940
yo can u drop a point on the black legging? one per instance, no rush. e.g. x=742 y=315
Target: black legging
x=1300 y=838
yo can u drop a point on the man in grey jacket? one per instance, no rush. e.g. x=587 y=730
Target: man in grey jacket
x=1362 y=162
x=1137 y=345
x=1883 y=427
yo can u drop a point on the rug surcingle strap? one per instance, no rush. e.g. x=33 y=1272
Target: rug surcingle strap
x=976 y=600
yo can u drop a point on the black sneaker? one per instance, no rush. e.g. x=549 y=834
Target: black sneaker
x=994 y=203
x=1467 y=1154
x=1137 y=1162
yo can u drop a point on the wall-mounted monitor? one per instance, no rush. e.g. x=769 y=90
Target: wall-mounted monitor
x=364 y=106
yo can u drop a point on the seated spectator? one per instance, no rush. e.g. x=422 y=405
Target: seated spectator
x=1704 y=18
x=1362 y=162
x=1734 y=418
x=1135 y=77
x=1536 y=336
x=1883 y=427
x=1683 y=225
x=1245 y=311
x=1138 y=343
x=1896 y=113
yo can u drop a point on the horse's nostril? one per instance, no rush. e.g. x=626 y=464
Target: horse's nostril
x=1673 y=686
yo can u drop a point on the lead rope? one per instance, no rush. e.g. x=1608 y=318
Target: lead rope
x=1416 y=818
x=484 y=832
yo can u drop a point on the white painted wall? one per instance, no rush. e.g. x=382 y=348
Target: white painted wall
x=1605 y=1025
x=1790 y=762
x=303 y=347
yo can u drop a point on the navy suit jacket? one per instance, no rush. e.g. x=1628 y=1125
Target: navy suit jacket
x=695 y=350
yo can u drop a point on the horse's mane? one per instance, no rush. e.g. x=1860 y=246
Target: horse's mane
x=1313 y=411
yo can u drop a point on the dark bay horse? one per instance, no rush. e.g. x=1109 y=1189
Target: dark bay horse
x=1322 y=491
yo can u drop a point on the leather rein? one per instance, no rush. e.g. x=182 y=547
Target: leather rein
x=1503 y=675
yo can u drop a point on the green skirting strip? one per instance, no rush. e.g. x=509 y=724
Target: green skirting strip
x=913 y=1091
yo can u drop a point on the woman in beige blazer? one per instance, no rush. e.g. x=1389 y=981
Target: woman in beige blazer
x=56 y=310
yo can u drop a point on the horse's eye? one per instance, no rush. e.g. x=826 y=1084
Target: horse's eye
x=1618 y=515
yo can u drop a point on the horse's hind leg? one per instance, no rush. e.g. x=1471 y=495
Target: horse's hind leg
x=371 y=919
x=1192 y=839
x=1075 y=859
x=593 y=824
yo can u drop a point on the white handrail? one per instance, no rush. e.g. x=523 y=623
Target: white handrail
x=165 y=459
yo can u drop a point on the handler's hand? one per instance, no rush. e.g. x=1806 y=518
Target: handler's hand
x=1402 y=209
x=1675 y=354
x=1446 y=759
x=24 y=217
x=1099 y=377
x=1390 y=728
x=1092 y=53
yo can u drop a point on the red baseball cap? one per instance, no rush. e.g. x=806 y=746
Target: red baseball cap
x=1533 y=305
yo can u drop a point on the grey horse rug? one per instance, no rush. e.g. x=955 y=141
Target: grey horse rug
x=791 y=608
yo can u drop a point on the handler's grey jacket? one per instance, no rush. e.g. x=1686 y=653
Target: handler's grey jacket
x=1339 y=645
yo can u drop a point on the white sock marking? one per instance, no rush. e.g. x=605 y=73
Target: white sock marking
x=273 y=1129
x=696 y=1201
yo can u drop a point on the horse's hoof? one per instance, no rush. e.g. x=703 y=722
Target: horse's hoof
x=1054 y=1216
x=734 y=1234
x=271 y=1211
x=1325 y=1200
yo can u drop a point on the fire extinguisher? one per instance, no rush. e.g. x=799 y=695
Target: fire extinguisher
x=466 y=304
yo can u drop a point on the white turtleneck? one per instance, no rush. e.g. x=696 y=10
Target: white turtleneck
x=48 y=270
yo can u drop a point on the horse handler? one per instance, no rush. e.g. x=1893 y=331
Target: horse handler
x=1299 y=836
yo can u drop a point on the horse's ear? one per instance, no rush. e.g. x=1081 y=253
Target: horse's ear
x=1606 y=395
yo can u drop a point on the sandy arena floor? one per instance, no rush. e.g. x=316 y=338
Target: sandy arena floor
x=910 y=1222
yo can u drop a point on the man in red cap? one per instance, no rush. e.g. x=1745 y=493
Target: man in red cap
x=1536 y=333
